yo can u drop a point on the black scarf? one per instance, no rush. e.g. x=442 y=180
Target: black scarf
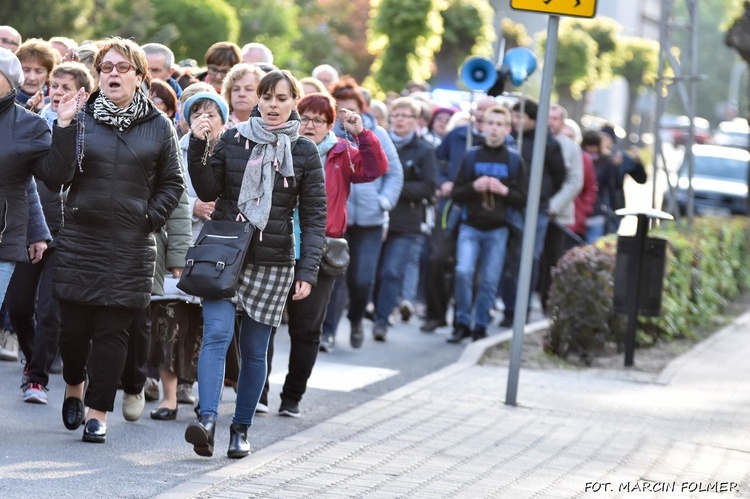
x=107 y=112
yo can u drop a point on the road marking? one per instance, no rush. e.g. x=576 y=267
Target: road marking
x=339 y=377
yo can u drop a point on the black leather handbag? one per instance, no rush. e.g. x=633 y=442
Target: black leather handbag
x=335 y=256
x=214 y=263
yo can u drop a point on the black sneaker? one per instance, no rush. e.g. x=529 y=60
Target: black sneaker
x=289 y=409
x=358 y=335
x=460 y=332
x=478 y=333
x=507 y=321
x=431 y=325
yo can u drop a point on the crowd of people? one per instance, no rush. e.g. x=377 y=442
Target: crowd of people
x=117 y=155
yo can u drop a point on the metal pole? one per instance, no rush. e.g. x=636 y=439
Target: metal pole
x=634 y=283
x=532 y=211
x=693 y=92
x=660 y=106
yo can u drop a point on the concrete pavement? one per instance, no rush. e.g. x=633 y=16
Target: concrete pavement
x=589 y=433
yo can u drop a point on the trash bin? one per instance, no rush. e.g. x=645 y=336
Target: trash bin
x=650 y=281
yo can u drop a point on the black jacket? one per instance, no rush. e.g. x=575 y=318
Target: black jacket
x=554 y=165
x=420 y=170
x=127 y=187
x=221 y=180
x=495 y=162
x=24 y=150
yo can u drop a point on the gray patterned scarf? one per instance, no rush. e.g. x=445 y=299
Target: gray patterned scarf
x=273 y=153
x=107 y=112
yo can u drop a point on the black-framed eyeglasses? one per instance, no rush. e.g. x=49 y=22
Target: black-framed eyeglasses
x=7 y=41
x=315 y=121
x=214 y=70
x=122 y=67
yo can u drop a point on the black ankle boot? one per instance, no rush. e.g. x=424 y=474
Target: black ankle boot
x=238 y=444
x=201 y=435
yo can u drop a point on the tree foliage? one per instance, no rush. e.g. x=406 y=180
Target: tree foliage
x=604 y=31
x=575 y=66
x=47 y=18
x=188 y=27
x=405 y=36
x=638 y=64
x=737 y=37
x=274 y=24
x=467 y=31
x=715 y=59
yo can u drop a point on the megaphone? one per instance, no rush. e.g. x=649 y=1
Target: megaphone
x=520 y=62
x=478 y=73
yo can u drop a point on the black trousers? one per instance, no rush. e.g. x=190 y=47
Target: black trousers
x=94 y=342
x=35 y=315
x=305 y=329
x=139 y=345
x=441 y=269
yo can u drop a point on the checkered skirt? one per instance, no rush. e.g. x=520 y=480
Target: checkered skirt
x=263 y=291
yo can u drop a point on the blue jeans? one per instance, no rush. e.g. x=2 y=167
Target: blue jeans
x=6 y=272
x=399 y=250
x=413 y=288
x=489 y=246
x=218 y=328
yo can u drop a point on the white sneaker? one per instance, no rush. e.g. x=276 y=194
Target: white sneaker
x=261 y=408
x=8 y=346
x=132 y=406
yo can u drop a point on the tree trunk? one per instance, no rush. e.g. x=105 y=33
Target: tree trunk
x=630 y=110
x=566 y=100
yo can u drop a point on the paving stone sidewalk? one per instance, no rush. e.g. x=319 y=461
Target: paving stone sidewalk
x=590 y=433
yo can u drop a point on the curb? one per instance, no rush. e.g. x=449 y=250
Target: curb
x=471 y=356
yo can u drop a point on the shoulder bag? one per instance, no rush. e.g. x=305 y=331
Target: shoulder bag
x=214 y=263
x=335 y=256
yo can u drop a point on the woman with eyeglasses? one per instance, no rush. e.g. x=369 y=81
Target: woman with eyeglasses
x=126 y=182
x=260 y=171
x=344 y=164
x=220 y=58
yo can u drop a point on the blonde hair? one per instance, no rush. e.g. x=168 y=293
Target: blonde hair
x=235 y=74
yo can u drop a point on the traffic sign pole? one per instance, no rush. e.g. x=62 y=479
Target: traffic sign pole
x=532 y=211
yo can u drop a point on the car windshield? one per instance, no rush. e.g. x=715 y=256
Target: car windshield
x=725 y=168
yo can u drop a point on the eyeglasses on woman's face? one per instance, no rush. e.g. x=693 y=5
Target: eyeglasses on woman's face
x=315 y=121
x=216 y=70
x=121 y=67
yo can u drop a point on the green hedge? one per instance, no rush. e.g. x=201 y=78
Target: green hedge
x=705 y=269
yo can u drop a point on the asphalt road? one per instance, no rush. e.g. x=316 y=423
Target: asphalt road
x=40 y=458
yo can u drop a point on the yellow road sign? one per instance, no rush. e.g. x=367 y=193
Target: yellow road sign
x=576 y=8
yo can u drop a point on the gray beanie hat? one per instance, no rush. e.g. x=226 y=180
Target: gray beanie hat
x=10 y=67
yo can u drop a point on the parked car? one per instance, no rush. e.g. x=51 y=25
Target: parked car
x=735 y=133
x=676 y=129
x=719 y=181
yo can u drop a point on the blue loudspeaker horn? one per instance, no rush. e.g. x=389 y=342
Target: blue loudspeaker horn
x=478 y=73
x=521 y=62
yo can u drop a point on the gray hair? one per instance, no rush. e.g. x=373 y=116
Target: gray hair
x=325 y=67
x=267 y=54
x=162 y=50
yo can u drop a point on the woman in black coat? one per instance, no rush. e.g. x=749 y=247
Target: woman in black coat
x=126 y=182
x=260 y=170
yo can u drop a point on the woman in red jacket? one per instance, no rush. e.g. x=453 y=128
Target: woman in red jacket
x=344 y=164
